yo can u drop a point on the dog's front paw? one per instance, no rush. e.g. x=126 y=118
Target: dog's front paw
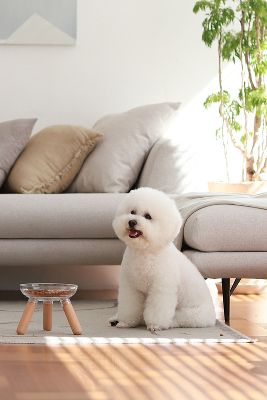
x=122 y=324
x=153 y=328
x=113 y=321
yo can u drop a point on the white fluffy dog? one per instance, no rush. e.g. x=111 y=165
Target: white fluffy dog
x=159 y=286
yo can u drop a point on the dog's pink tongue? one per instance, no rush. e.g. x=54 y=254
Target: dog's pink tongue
x=133 y=233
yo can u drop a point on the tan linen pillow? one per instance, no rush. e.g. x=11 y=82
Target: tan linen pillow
x=52 y=159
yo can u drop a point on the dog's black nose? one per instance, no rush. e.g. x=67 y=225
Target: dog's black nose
x=132 y=223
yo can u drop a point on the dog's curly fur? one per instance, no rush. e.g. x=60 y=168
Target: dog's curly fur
x=159 y=286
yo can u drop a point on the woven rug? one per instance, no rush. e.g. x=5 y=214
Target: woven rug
x=93 y=316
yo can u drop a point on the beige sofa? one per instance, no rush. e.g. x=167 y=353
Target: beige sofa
x=223 y=240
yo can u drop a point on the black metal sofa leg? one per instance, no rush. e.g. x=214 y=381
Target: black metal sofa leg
x=226 y=299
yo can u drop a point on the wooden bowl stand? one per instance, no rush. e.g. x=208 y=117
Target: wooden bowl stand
x=47 y=316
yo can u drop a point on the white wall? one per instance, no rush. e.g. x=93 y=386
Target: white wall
x=128 y=53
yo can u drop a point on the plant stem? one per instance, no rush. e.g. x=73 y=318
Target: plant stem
x=242 y=23
x=221 y=108
x=257 y=118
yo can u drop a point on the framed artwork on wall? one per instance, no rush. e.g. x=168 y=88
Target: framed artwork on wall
x=38 y=22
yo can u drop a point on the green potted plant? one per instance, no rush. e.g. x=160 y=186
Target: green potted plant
x=239 y=29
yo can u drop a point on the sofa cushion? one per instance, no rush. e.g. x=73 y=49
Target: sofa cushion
x=231 y=264
x=172 y=167
x=52 y=159
x=54 y=252
x=62 y=216
x=227 y=228
x=14 y=136
x=116 y=162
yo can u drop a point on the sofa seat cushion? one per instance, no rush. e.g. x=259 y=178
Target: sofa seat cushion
x=61 y=216
x=227 y=228
x=32 y=252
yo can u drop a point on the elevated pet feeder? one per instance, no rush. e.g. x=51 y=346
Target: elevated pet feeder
x=48 y=293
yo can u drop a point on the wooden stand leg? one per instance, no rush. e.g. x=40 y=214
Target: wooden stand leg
x=26 y=317
x=72 y=317
x=47 y=315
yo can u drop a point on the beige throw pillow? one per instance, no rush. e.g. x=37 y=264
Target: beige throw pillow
x=52 y=159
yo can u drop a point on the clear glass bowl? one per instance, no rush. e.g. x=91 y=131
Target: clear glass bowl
x=48 y=291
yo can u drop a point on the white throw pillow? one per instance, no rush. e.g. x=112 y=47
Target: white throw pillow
x=173 y=167
x=116 y=162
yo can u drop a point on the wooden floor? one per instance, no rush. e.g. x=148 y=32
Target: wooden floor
x=217 y=372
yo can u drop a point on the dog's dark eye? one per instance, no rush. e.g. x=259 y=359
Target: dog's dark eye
x=133 y=212
x=147 y=216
